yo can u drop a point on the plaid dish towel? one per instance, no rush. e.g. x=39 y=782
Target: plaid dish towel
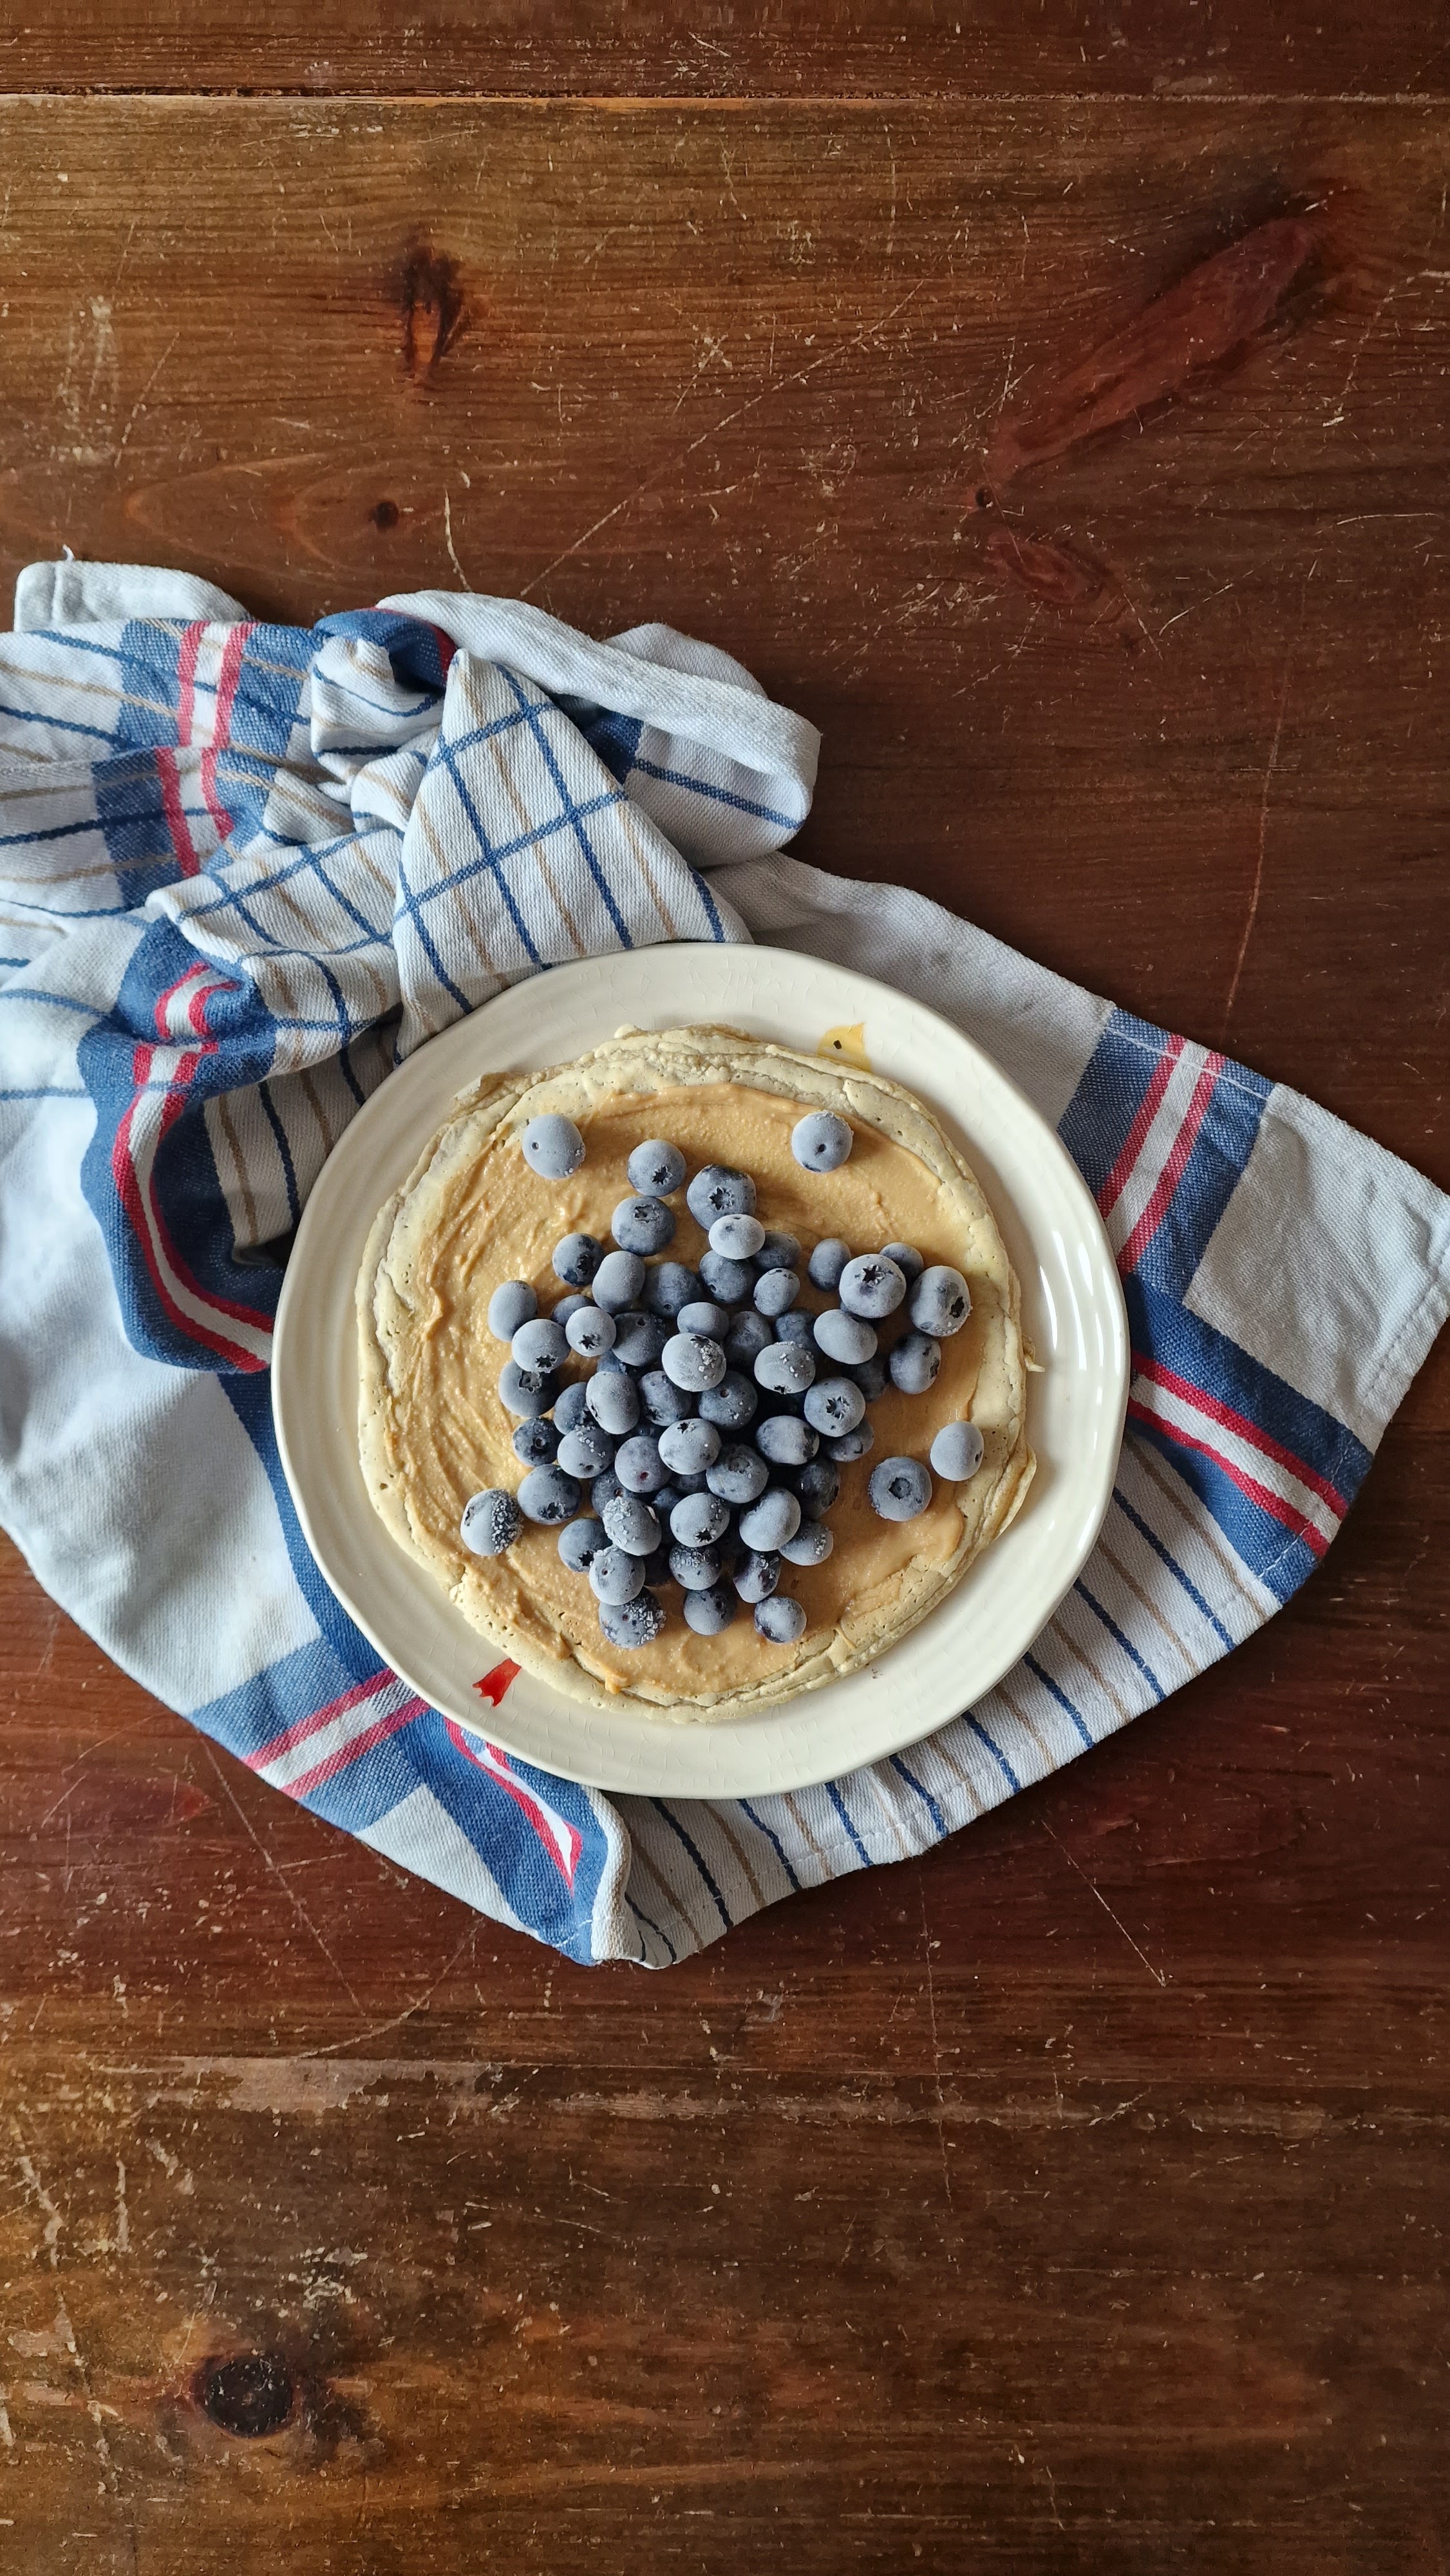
x=243 y=870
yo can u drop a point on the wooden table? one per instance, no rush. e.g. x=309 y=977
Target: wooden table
x=1073 y=2199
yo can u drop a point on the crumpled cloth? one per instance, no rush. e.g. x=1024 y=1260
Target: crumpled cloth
x=244 y=869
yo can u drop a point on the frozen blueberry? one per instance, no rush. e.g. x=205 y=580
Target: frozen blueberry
x=684 y=1481
x=778 y=1252
x=757 y=1575
x=605 y=1489
x=618 y=1280
x=572 y=1405
x=913 y=1362
x=775 y=1290
x=692 y=1361
x=540 y=1344
x=631 y=1525
x=613 y=1399
x=511 y=1304
x=907 y=1259
x=536 y=1442
x=777 y=1515
x=699 y=1520
x=738 y=1237
x=608 y=1361
x=577 y=1258
x=855 y=1445
x=552 y=1146
x=781 y=1620
x=490 y=1523
x=785 y=1440
x=643 y=1225
x=568 y=1307
x=729 y=1282
x=614 y=1575
x=796 y=1326
x=821 y=1142
x=748 y=1334
x=586 y=1452
x=549 y=1495
x=580 y=1542
x=591 y=1332
x=731 y=1404
x=870 y=1376
x=738 y=1474
x=817 y=1484
x=834 y=1405
x=719 y=1190
x=634 y=1623
x=639 y=1339
x=941 y=1301
x=655 y=1168
x=827 y=1262
x=899 y=1489
x=670 y=1286
x=665 y=1497
x=956 y=1452
x=526 y=1392
x=702 y=1315
x=690 y=1447
x=870 y=1286
x=638 y=1464
x=785 y=1368
x=844 y=1338
x=661 y=1401
x=708 y=1612
x=695 y=1569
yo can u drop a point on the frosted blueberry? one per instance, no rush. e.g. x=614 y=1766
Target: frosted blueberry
x=655 y=1168
x=738 y=1237
x=685 y=1480
x=870 y=1285
x=870 y=1376
x=643 y=1225
x=661 y=1401
x=572 y=1405
x=731 y=1404
x=719 y=1190
x=692 y=1361
x=941 y=1301
x=702 y=1315
x=549 y=1495
x=756 y=1577
x=776 y=1516
x=639 y=1339
x=511 y=1304
x=656 y=1568
x=669 y=1287
x=738 y=1475
x=613 y=1399
x=748 y=1334
x=828 y=1261
x=580 y=1542
x=591 y=1332
x=956 y=1452
x=527 y=1392
x=552 y=1146
x=615 y=1576
x=699 y=1520
x=795 y=1325
x=907 y=1259
x=780 y=1621
x=569 y=1307
x=785 y=1440
x=729 y=1282
x=586 y=1452
x=635 y=1623
x=536 y=1442
x=834 y=1405
x=844 y=1338
x=785 y=1368
x=577 y=1258
x=690 y=1447
x=539 y=1344
x=811 y=1545
x=778 y=1252
x=817 y=1485
x=607 y=1361
x=606 y=1488
x=708 y=1612
x=855 y=1444
x=899 y=1489
x=913 y=1362
x=638 y=1465
x=775 y=1290
x=695 y=1569
x=821 y=1142
x=618 y=1280
x=631 y=1525
x=664 y=1499
x=490 y=1523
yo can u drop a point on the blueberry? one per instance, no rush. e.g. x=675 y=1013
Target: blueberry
x=685 y=1480
x=870 y=1285
x=941 y=1301
x=756 y=1577
x=586 y=1452
x=527 y=1392
x=786 y=1368
x=615 y=1576
x=695 y=1569
x=655 y=1168
x=821 y=1142
x=777 y=1515
x=669 y=1287
x=913 y=1362
x=605 y=1489
x=795 y=1325
x=780 y=1621
x=664 y=1499
x=834 y=1405
x=657 y=1568
x=702 y=1315
x=591 y=1332
x=855 y=1445
x=549 y=1495
x=899 y=1489
x=510 y=1305
x=607 y=1362
x=708 y=1612
x=618 y=1280
x=631 y=1525
x=828 y=1261
x=748 y=1334
x=661 y=1401
x=536 y=1442
x=870 y=1376
x=719 y=1190
x=568 y=1307
x=613 y=1399
x=738 y=1475
x=636 y=1623
x=817 y=1484
x=907 y=1259
x=577 y=1258
x=729 y=1282
x=811 y=1545
x=490 y=1523
x=739 y=1238
x=692 y=1361
x=540 y=1344
x=699 y=1520
x=956 y=1452
x=778 y=1252
x=775 y=1290
x=643 y=1225
x=638 y=1464
x=580 y=1542
x=692 y=1447
x=571 y=1406
x=786 y=1441
x=844 y=1338
x=552 y=1146
x=639 y=1339
x=731 y=1404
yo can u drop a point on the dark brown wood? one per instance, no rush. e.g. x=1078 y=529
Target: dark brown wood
x=1075 y=2199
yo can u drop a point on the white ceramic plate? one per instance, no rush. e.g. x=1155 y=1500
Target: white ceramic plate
x=1073 y=1315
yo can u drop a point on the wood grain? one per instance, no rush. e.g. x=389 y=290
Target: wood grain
x=1073 y=2200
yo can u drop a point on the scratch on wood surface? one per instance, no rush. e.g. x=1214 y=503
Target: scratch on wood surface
x=294 y=1900
x=1155 y=1973
x=448 y=542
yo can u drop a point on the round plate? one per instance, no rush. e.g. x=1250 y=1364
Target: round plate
x=1072 y=1313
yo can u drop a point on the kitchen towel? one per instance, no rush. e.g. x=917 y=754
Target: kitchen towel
x=244 y=868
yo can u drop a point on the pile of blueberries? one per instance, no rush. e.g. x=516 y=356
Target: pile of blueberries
x=704 y=1416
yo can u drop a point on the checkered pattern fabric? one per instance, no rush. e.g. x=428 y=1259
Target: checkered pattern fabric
x=244 y=869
